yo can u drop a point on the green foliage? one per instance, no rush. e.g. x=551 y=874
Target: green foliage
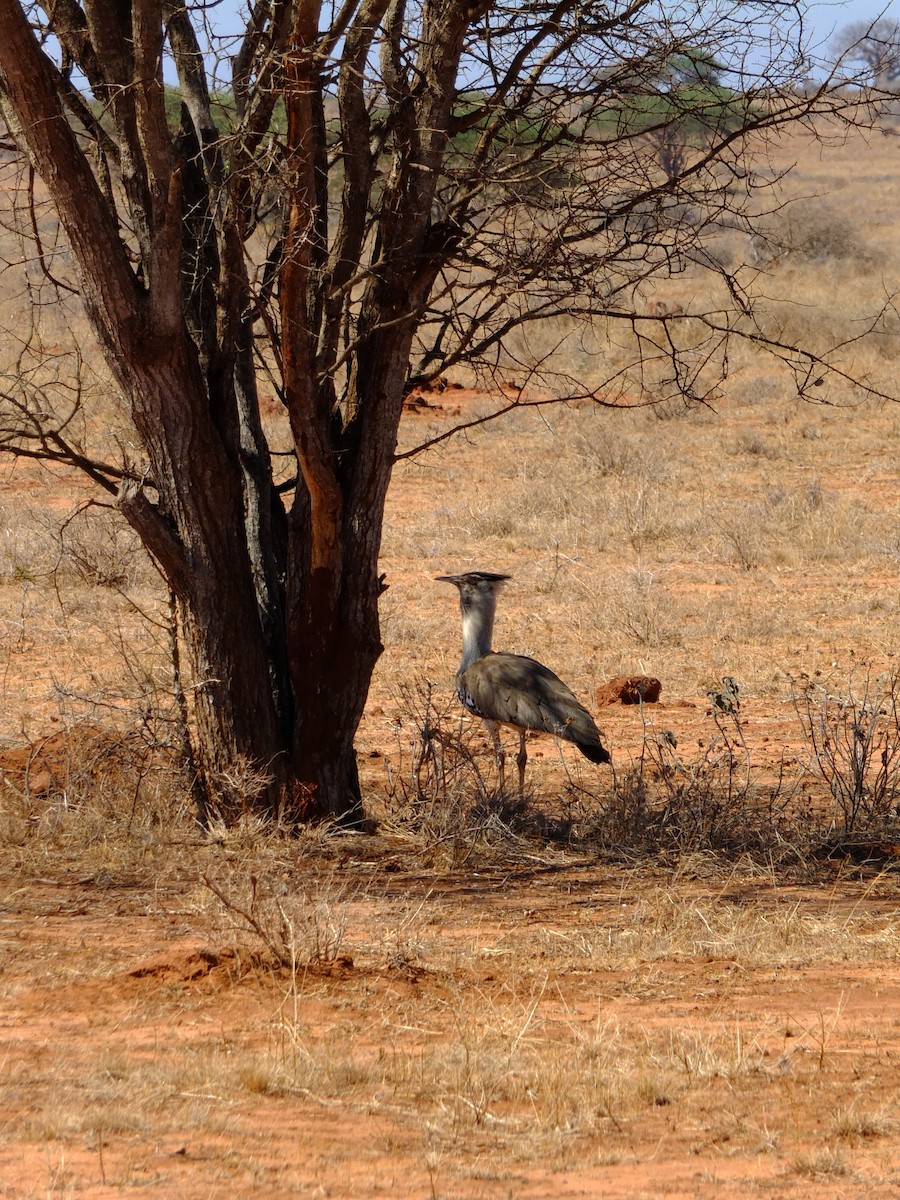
x=695 y=109
x=693 y=66
x=173 y=106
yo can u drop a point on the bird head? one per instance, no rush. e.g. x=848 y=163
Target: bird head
x=477 y=603
x=475 y=586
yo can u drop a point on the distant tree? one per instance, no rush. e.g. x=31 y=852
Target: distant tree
x=352 y=199
x=876 y=45
x=692 y=66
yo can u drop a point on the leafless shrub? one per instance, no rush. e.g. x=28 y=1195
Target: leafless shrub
x=102 y=550
x=668 y=805
x=237 y=788
x=86 y=785
x=663 y=805
x=852 y=1124
x=827 y=1163
x=441 y=784
x=113 y=762
x=854 y=746
x=791 y=524
x=755 y=446
x=606 y=454
x=293 y=926
x=743 y=540
x=28 y=549
x=718 y=804
x=811 y=231
x=641 y=609
x=644 y=514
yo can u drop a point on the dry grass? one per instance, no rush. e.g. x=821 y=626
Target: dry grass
x=564 y=1012
x=553 y=1039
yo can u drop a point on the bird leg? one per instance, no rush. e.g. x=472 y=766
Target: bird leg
x=521 y=760
x=499 y=753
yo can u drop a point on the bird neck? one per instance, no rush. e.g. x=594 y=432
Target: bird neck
x=478 y=629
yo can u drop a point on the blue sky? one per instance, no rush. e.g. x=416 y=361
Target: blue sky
x=824 y=18
x=835 y=14
x=826 y=15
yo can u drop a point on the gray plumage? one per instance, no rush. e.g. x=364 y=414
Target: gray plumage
x=511 y=689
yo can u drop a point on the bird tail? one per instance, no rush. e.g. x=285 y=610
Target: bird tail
x=594 y=751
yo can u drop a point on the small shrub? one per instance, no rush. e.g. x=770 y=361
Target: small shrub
x=443 y=790
x=100 y=548
x=743 y=540
x=440 y=782
x=87 y=786
x=811 y=231
x=640 y=608
x=670 y=806
x=854 y=746
x=294 y=927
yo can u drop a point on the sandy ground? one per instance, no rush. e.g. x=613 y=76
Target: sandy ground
x=136 y=1054
x=532 y=1022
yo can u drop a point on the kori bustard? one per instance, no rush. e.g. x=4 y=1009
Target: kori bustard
x=510 y=689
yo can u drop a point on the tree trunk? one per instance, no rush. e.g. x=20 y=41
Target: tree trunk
x=277 y=599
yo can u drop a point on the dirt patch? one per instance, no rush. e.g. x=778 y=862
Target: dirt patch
x=559 y=1033
x=50 y=763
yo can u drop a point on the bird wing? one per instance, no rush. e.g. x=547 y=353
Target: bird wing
x=517 y=690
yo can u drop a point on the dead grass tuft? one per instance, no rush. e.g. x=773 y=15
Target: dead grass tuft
x=96 y=793
x=851 y=1124
x=294 y=927
x=828 y=1163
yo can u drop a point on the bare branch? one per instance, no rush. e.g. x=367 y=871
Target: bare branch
x=156 y=533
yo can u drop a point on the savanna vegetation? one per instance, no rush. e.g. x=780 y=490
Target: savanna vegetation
x=355 y=201
x=681 y=968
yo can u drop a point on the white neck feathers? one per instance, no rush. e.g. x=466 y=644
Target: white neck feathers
x=477 y=626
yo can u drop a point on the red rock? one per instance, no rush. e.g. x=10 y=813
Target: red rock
x=628 y=689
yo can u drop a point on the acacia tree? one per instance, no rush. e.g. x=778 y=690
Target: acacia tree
x=346 y=201
x=876 y=46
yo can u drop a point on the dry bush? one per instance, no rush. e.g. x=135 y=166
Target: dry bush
x=667 y=805
x=828 y=1163
x=853 y=741
x=608 y=452
x=813 y=231
x=797 y=524
x=851 y=1124
x=442 y=793
x=29 y=546
x=98 y=793
x=293 y=926
x=99 y=548
x=754 y=445
x=639 y=609
x=442 y=788
x=92 y=545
